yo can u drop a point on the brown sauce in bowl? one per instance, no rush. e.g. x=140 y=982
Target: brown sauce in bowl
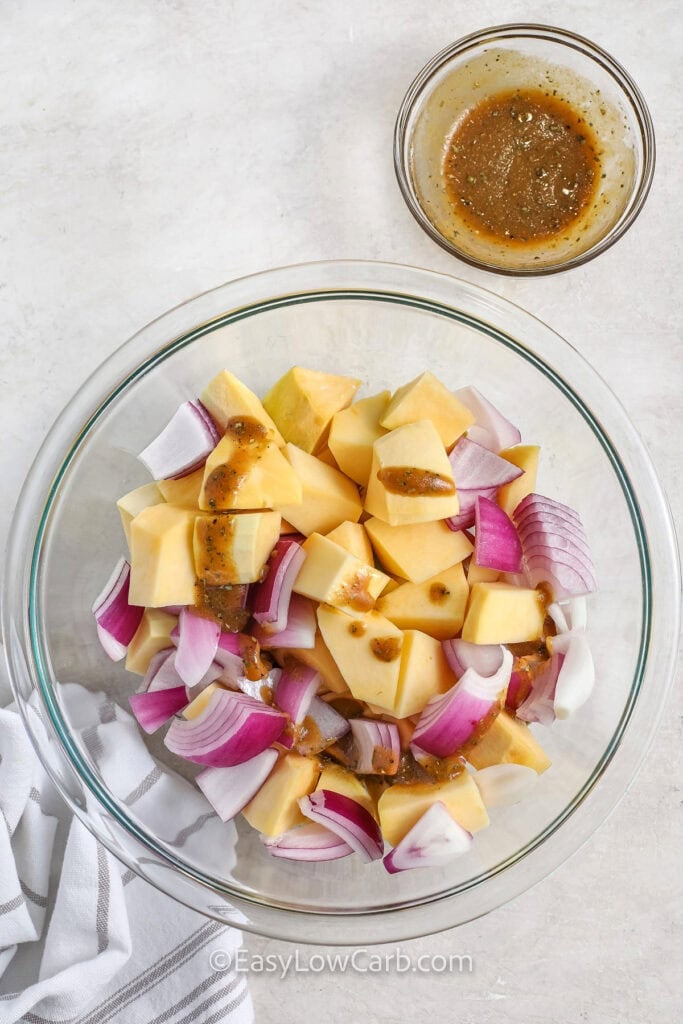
x=521 y=166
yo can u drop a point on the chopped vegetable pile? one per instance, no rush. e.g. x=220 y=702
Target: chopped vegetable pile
x=350 y=611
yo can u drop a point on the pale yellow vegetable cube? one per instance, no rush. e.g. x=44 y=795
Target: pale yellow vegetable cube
x=234 y=547
x=500 y=613
x=417 y=552
x=247 y=471
x=152 y=635
x=436 y=607
x=508 y=741
x=410 y=478
x=334 y=576
x=353 y=538
x=339 y=780
x=402 y=805
x=131 y=504
x=353 y=432
x=200 y=702
x=328 y=497
x=525 y=457
x=367 y=650
x=424 y=673
x=480 y=574
x=275 y=808
x=227 y=397
x=162 y=563
x=427 y=398
x=185 y=491
x=303 y=402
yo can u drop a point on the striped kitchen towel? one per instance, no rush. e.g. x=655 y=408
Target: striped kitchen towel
x=83 y=940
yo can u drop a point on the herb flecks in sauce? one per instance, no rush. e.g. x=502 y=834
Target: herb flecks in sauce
x=249 y=439
x=521 y=166
x=386 y=648
x=415 y=482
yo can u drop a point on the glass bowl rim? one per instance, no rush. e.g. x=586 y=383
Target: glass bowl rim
x=530 y=30
x=347 y=269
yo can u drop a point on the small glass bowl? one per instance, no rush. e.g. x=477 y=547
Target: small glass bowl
x=521 y=56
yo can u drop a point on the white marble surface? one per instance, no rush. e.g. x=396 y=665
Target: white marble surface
x=152 y=150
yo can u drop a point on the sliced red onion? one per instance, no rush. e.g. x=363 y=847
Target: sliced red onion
x=466 y=515
x=117 y=620
x=311 y=842
x=496 y=544
x=554 y=548
x=518 y=689
x=162 y=673
x=570 y=616
x=577 y=675
x=183 y=445
x=231 y=729
x=475 y=468
x=378 y=746
x=485 y=659
x=490 y=429
x=154 y=708
x=300 y=628
x=434 y=840
x=476 y=471
x=271 y=597
x=197 y=645
x=502 y=785
x=228 y=790
x=215 y=673
x=296 y=688
x=449 y=720
x=347 y=819
x=539 y=706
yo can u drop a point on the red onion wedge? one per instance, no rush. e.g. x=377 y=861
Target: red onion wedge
x=449 y=720
x=577 y=675
x=468 y=501
x=183 y=445
x=154 y=708
x=231 y=729
x=554 y=547
x=271 y=597
x=329 y=723
x=490 y=429
x=485 y=659
x=378 y=746
x=228 y=790
x=475 y=468
x=347 y=819
x=197 y=645
x=496 y=544
x=476 y=471
x=161 y=673
x=117 y=621
x=296 y=688
x=299 y=631
x=434 y=840
x=310 y=842
x=502 y=785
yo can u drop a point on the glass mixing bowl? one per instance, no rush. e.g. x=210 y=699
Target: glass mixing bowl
x=384 y=324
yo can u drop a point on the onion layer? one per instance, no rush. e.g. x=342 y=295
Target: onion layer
x=490 y=429
x=448 y=721
x=153 y=708
x=296 y=688
x=117 y=620
x=311 y=842
x=228 y=790
x=271 y=597
x=554 y=547
x=347 y=819
x=299 y=631
x=378 y=746
x=197 y=645
x=183 y=445
x=496 y=544
x=231 y=729
x=434 y=840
